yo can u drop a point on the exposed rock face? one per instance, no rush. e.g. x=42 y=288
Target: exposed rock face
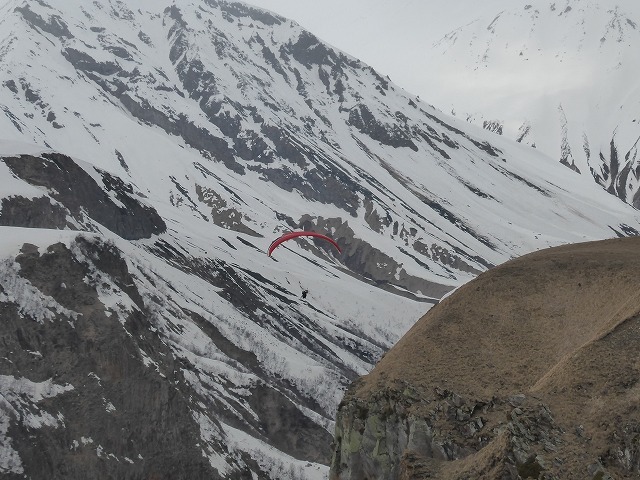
x=372 y=264
x=73 y=195
x=32 y=213
x=103 y=396
x=221 y=213
x=362 y=118
x=524 y=372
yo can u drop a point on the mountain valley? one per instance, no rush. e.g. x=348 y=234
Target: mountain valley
x=149 y=154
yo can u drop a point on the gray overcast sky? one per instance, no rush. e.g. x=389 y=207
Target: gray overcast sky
x=389 y=35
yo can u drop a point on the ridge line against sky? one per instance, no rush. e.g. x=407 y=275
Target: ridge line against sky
x=388 y=35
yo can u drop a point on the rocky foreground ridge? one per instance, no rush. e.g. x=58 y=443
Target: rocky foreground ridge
x=529 y=371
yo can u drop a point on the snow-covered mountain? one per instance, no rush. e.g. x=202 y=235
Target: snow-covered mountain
x=151 y=152
x=560 y=75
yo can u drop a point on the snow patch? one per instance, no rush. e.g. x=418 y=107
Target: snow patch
x=18 y=403
x=31 y=302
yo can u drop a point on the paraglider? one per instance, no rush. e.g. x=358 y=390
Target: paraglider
x=290 y=235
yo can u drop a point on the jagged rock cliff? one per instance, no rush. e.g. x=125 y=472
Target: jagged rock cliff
x=529 y=371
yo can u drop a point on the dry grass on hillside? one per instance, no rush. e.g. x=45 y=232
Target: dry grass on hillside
x=561 y=326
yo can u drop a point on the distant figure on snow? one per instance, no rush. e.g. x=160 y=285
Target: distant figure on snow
x=304 y=293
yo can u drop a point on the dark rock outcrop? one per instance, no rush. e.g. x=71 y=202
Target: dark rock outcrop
x=37 y=212
x=289 y=429
x=77 y=195
x=104 y=407
x=54 y=25
x=393 y=135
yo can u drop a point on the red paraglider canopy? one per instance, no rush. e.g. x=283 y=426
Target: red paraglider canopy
x=290 y=235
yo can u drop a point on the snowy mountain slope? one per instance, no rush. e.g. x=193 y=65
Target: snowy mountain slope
x=189 y=135
x=557 y=75
x=560 y=76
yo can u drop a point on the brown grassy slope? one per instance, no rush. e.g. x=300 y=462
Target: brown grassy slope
x=523 y=324
x=561 y=326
